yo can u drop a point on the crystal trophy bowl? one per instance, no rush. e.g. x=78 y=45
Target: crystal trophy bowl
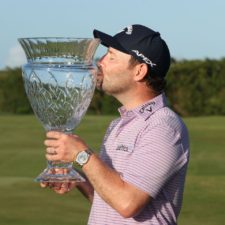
x=59 y=81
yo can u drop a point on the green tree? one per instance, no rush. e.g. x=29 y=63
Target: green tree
x=12 y=95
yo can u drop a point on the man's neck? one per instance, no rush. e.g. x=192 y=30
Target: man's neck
x=132 y=101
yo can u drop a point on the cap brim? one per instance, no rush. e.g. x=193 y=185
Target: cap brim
x=109 y=41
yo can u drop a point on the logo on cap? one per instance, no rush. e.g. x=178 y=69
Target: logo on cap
x=144 y=58
x=128 y=30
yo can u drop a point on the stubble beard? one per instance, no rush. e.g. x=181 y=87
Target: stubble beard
x=110 y=87
x=113 y=89
x=99 y=84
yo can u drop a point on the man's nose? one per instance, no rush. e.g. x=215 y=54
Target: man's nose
x=100 y=61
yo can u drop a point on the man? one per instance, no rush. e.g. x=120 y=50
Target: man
x=138 y=178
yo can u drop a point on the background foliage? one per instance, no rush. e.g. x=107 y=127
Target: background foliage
x=194 y=88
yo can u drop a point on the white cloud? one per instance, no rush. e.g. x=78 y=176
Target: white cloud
x=16 y=57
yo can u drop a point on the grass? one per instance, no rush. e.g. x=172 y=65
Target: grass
x=204 y=197
x=23 y=202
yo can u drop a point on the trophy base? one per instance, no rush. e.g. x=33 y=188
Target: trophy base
x=47 y=176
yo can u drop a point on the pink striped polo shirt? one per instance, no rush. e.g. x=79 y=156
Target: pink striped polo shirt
x=149 y=147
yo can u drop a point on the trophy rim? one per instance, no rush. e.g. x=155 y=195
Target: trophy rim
x=64 y=50
x=58 y=38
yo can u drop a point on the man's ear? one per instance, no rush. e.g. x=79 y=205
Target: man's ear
x=141 y=71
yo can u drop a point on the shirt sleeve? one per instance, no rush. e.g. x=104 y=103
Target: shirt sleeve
x=157 y=156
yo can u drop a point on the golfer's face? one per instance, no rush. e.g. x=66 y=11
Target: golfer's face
x=114 y=71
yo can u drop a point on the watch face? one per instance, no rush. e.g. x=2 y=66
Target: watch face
x=82 y=158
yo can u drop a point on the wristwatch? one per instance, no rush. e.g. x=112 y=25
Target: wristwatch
x=83 y=157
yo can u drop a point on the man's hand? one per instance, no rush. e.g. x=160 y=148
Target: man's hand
x=63 y=147
x=64 y=187
x=59 y=187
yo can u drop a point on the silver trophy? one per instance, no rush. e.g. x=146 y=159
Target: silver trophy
x=59 y=81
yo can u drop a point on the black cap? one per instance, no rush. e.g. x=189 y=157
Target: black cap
x=142 y=43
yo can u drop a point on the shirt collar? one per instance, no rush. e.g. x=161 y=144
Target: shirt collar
x=147 y=109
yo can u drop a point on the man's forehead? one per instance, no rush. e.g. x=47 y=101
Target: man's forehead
x=112 y=50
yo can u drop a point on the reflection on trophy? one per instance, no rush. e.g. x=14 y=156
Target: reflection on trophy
x=59 y=80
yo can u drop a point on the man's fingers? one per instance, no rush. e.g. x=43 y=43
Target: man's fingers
x=51 y=143
x=54 y=134
x=54 y=157
x=59 y=187
x=56 y=186
x=71 y=185
x=51 y=151
x=44 y=184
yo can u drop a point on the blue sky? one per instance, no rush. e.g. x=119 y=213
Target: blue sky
x=193 y=29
